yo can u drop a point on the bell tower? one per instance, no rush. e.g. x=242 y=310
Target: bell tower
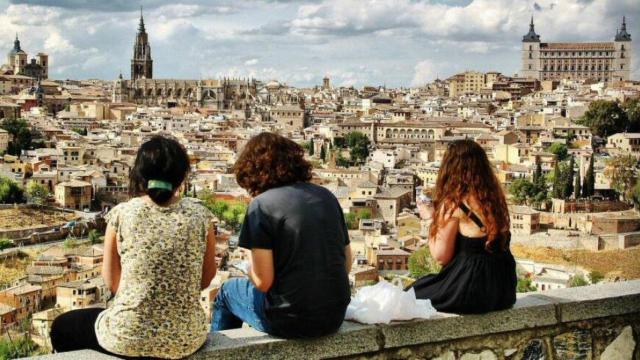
x=141 y=63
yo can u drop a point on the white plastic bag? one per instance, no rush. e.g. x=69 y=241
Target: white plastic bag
x=383 y=302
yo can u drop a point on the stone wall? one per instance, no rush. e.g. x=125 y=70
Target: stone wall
x=593 y=322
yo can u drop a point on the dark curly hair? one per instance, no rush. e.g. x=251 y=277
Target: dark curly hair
x=269 y=161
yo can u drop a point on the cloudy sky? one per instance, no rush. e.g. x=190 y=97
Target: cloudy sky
x=355 y=42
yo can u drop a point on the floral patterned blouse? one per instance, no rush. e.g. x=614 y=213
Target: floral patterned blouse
x=156 y=312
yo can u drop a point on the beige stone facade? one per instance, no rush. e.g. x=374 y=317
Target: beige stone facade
x=599 y=61
x=74 y=194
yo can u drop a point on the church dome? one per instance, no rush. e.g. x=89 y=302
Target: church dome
x=273 y=84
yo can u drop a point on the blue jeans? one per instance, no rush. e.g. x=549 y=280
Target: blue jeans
x=239 y=301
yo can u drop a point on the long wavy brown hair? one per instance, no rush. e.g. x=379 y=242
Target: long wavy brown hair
x=268 y=161
x=466 y=172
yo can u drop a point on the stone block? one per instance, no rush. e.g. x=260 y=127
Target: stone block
x=595 y=301
x=534 y=350
x=528 y=312
x=574 y=345
x=247 y=343
x=622 y=347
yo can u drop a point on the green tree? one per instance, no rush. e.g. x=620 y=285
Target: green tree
x=365 y=214
x=635 y=195
x=622 y=172
x=604 y=118
x=422 y=263
x=351 y=220
x=567 y=179
x=323 y=154
x=37 y=193
x=341 y=161
x=525 y=285
x=21 y=135
x=557 y=181
x=234 y=216
x=359 y=145
x=577 y=280
x=311 y=148
x=523 y=191
x=632 y=109
x=559 y=149
x=10 y=192
x=5 y=243
x=577 y=187
x=339 y=142
x=588 y=188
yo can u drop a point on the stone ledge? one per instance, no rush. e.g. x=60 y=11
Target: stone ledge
x=532 y=310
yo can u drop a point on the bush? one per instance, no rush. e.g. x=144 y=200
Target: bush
x=94 y=236
x=5 y=243
x=595 y=277
x=525 y=285
x=18 y=348
x=70 y=243
x=578 y=280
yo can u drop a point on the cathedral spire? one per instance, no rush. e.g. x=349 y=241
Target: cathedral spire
x=531 y=35
x=141 y=25
x=622 y=34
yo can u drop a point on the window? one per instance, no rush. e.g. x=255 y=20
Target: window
x=529 y=66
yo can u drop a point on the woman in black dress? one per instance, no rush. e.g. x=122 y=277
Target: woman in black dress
x=469 y=236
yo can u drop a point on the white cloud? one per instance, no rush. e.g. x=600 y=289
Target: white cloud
x=356 y=42
x=423 y=72
x=251 y=62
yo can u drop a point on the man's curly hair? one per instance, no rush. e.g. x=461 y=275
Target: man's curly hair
x=269 y=161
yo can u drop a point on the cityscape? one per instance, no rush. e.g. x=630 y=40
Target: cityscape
x=562 y=132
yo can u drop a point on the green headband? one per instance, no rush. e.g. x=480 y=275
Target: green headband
x=159 y=184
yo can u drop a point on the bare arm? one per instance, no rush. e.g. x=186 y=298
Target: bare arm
x=209 y=266
x=262 y=271
x=349 y=257
x=442 y=245
x=111 y=268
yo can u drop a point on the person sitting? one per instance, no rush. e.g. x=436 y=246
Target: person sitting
x=298 y=284
x=159 y=253
x=469 y=236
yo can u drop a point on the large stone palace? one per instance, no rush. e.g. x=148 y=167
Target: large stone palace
x=219 y=94
x=600 y=61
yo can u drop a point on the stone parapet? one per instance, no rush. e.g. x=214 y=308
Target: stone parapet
x=591 y=322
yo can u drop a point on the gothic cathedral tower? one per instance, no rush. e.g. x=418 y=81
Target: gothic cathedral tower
x=141 y=64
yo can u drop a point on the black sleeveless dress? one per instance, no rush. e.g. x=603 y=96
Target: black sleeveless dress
x=476 y=280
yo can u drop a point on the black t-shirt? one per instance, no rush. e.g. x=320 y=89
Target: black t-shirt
x=304 y=226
